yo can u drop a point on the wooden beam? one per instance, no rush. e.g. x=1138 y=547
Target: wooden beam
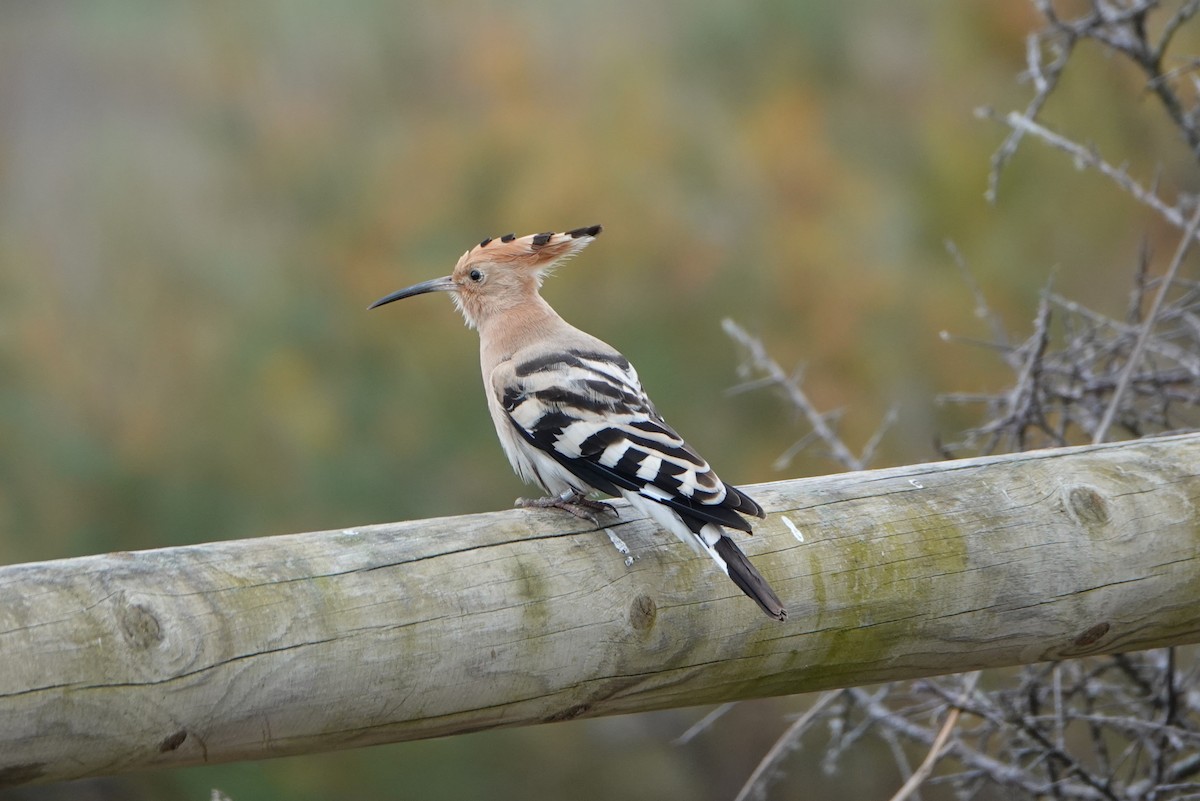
x=312 y=642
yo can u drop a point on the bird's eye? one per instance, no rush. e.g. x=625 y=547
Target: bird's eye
x=475 y=275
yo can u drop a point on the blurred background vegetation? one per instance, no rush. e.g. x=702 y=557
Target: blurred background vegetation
x=199 y=200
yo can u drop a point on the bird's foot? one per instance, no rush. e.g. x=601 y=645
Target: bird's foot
x=582 y=507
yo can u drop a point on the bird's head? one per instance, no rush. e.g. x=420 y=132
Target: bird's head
x=500 y=274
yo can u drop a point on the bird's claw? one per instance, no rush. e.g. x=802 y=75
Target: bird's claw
x=577 y=505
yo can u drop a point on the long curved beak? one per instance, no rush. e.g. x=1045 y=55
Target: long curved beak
x=436 y=285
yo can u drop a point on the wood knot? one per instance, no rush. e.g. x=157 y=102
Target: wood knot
x=1092 y=635
x=139 y=625
x=171 y=742
x=1088 y=505
x=642 y=612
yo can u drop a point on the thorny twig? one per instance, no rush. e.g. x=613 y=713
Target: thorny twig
x=1120 y=26
x=918 y=776
x=1076 y=385
x=787 y=742
x=1045 y=80
x=705 y=723
x=1088 y=157
x=759 y=361
x=1147 y=327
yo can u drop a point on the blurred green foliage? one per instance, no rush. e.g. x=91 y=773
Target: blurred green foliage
x=198 y=201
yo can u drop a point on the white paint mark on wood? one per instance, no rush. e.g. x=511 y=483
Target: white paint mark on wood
x=797 y=533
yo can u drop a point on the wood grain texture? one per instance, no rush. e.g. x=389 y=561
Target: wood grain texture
x=311 y=642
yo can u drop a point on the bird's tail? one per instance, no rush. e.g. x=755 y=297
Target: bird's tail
x=707 y=537
x=749 y=580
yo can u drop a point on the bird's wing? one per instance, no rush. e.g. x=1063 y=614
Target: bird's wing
x=587 y=410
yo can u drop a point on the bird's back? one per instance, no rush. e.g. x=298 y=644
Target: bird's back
x=577 y=400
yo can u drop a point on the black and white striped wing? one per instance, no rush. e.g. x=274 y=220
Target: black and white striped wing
x=588 y=411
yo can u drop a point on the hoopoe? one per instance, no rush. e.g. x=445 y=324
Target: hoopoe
x=572 y=416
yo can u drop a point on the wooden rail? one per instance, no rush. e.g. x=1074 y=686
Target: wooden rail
x=312 y=642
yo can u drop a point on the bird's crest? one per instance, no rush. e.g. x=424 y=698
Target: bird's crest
x=539 y=251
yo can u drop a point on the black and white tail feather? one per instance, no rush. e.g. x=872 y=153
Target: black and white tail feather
x=571 y=414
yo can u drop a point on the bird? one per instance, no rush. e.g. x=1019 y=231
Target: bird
x=570 y=411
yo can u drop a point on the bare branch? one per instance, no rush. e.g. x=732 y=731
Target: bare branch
x=982 y=310
x=787 y=742
x=1147 y=327
x=939 y=743
x=702 y=725
x=1045 y=80
x=1085 y=157
x=773 y=375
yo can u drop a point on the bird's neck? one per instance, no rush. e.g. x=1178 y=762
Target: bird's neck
x=502 y=335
